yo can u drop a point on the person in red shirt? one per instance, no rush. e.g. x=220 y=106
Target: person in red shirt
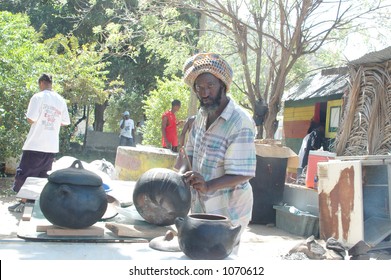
x=169 y=127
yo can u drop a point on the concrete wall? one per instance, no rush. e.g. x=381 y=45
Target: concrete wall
x=102 y=141
x=132 y=162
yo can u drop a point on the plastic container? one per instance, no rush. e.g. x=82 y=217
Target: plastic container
x=297 y=222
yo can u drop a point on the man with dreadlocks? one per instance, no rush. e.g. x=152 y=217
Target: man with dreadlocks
x=220 y=147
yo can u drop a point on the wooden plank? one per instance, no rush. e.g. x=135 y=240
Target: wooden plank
x=43 y=228
x=52 y=230
x=36 y=229
x=369 y=159
x=28 y=211
x=299 y=113
x=143 y=231
x=32 y=188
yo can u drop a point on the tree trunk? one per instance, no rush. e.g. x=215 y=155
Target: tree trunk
x=271 y=119
x=193 y=101
x=98 y=116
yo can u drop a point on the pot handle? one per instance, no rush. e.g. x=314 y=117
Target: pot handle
x=77 y=162
x=235 y=231
x=65 y=190
x=178 y=223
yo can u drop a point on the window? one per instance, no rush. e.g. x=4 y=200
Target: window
x=335 y=112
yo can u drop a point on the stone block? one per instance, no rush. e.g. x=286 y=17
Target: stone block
x=132 y=162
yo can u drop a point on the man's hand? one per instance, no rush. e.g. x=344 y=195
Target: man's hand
x=197 y=181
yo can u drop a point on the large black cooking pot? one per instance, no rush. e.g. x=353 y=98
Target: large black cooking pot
x=204 y=236
x=73 y=197
x=160 y=195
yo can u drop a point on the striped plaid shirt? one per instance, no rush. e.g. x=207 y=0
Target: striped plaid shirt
x=227 y=147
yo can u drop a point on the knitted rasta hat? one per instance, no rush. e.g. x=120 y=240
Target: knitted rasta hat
x=207 y=63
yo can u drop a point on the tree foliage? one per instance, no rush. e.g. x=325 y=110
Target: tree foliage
x=22 y=59
x=81 y=74
x=269 y=37
x=78 y=71
x=50 y=17
x=270 y=44
x=96 y=24
x=263 y=40
x=158 y=102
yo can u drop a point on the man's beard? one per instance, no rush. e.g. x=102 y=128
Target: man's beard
x=212 y=107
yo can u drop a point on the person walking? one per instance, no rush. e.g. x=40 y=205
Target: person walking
x=127 y=130
x=220 y=148
x=47 y=112
x=169 y=127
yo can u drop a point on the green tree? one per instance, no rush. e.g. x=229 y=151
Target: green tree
x=82 y=75
x=158 y=102
x=48 y=13
x=263 y=40
x=96 y=23
x=22 y=59
x=139 y=79
x=267 y=38
x=78 y=70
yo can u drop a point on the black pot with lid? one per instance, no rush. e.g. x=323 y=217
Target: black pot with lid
x=73 y=197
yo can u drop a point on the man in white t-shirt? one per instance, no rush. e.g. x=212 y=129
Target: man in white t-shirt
x=127 y=130
x=47 y=112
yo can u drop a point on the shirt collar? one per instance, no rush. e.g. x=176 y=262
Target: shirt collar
x=228 y=110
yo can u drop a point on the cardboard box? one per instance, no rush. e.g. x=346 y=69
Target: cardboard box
x=277 y=151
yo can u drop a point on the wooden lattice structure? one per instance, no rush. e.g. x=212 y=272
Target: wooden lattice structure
x=365 y=126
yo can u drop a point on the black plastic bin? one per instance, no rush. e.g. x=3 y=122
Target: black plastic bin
x=268 y=188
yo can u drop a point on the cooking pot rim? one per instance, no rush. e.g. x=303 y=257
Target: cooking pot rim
x=208 y=217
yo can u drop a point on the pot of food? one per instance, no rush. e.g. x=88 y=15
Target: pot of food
x=160 y=195
x=206 y=236
x=73 y=197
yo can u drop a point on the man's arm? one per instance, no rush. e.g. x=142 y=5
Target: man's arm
x=122 y=124
x=163 y=128
x=227 y=181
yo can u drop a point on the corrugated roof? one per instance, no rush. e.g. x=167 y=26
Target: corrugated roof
x=373 y=57
x=317 y=85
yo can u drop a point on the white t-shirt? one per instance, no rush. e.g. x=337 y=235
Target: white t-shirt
x=127 y=130
x=48 y=110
